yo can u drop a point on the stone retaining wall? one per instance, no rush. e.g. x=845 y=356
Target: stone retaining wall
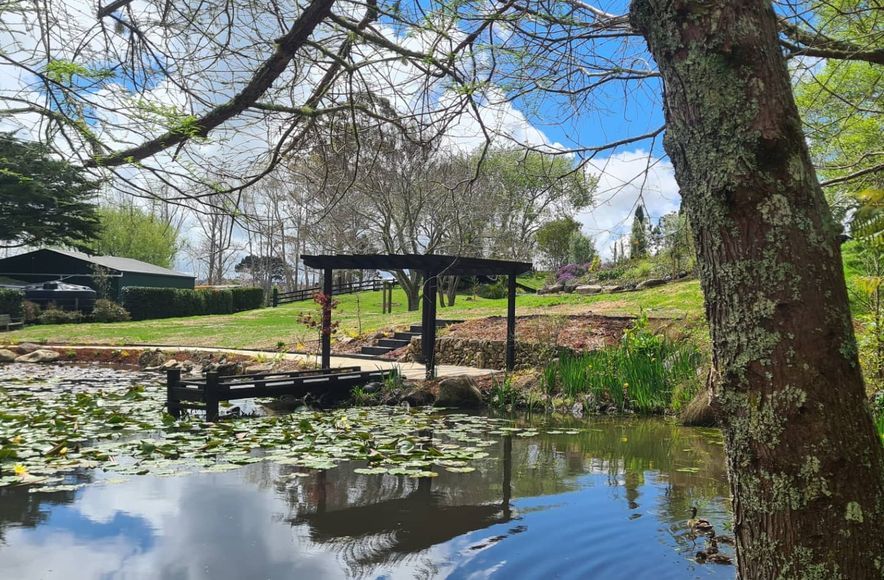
x=487 y=354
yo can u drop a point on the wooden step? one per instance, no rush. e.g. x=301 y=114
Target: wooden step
x=393 y=343
x=407 y=336
x=375 y=350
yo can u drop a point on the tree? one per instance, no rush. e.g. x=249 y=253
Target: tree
x=638 y=240
x=581 y=249
x=263 y=270
x=43 y=200
x=554 y=240
x=527 y=190
x=841 y=107
x=130 y=232
x=789 y=389
x=676 y=244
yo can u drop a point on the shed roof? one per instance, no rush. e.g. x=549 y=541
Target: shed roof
x=119 y=264
x=435 y=263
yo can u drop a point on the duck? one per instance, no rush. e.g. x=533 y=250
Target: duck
x=699 y=525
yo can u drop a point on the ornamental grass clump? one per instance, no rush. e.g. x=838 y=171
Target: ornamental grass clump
x=640 y=374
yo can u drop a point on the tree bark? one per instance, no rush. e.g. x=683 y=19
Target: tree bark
x=805 y=464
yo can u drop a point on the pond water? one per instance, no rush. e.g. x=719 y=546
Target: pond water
x=554 y=498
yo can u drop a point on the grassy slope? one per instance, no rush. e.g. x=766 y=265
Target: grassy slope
x=264 y=328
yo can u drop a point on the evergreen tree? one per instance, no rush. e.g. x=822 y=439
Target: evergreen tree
x=638 y=241
x=43 y=200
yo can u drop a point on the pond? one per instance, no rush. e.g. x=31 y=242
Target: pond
x=509 y=497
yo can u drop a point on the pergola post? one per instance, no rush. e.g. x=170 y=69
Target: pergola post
x=511 y=323
x=327 y=284
x=431 y=281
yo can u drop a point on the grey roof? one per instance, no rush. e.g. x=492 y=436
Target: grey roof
x=121 y=264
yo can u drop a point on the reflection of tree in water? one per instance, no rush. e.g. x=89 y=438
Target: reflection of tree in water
x=19 y=507
x=375 y=520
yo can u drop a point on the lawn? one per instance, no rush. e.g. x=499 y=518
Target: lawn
x=265 y=328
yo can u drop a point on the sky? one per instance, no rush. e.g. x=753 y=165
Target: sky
x=635 y=173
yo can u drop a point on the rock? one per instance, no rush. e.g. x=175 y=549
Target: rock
x=39 y=356
x=170 y=364
x=258 y=369
x=151 y=358
x=7 y=356
x=346 y=340
x=373 y=387
x=650 y=283
x=577 y=410
x=611 y=289
x=699 y=412
x=419 y=397
x=588 y=289
x=570 y=285
x=459 y=392
x=26 y=348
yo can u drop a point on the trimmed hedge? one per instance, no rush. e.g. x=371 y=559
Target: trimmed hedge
x=11 y=301
x=247 y=298
x=146 y=303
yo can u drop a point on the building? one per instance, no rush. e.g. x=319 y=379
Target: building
x=78 y=268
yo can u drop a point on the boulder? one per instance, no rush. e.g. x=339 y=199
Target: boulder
x=373 y=387
x=611 y=289
x=26 y=347
x=151 y=358
x=419 y=397
x=650 y=283
x=552 y=289
x=699 y=412
x=570 y=285
x=588 y=289
x=39 y=356
x=459 y=392
x=170 y=364
x=7 y=356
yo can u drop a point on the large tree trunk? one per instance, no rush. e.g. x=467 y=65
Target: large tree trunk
x=806 y=466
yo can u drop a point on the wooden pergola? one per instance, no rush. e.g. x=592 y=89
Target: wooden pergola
x=431 y=267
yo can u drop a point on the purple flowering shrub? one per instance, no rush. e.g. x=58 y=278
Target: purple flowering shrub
x=571 y=271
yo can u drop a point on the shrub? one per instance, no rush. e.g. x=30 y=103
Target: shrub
x=53 y=315
x=11 y=302
x=493 y=291
x=247 y=298
x=109 y=311
x=571 y=271
x=30 y=311
x=146 y=303
x=218 y=301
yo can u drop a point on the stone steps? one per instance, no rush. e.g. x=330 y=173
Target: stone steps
x=400 y=339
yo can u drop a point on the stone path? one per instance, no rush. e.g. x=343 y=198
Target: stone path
x=409 y=370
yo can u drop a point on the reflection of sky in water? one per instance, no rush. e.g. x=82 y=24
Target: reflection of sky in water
x=573 y=517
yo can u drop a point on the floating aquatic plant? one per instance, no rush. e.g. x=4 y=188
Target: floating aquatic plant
x=52 y=431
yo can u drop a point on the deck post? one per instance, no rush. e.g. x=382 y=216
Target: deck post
x=429 y=345
x=275 y=297
x=511 y=323
x=212 y=395
x=173 y=377
x=326 y=318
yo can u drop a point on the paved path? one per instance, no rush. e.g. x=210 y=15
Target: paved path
x=410 y=370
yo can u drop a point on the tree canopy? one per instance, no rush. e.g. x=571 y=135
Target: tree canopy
x=43 y=199
x=130 y=232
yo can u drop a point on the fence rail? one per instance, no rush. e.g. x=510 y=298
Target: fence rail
x=308 y=293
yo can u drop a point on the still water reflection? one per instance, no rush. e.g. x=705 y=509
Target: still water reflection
x=610 y=502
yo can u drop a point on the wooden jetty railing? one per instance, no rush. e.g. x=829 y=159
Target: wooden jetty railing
x=208 y=392
x=373 y=285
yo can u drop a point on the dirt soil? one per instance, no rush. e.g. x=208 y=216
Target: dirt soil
x=577 y=332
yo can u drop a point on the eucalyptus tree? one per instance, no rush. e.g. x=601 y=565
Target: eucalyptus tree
x=178 y=90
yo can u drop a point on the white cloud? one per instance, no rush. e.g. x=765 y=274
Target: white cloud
x=624 y=178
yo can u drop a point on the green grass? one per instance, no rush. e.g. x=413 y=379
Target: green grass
x=263 y=329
